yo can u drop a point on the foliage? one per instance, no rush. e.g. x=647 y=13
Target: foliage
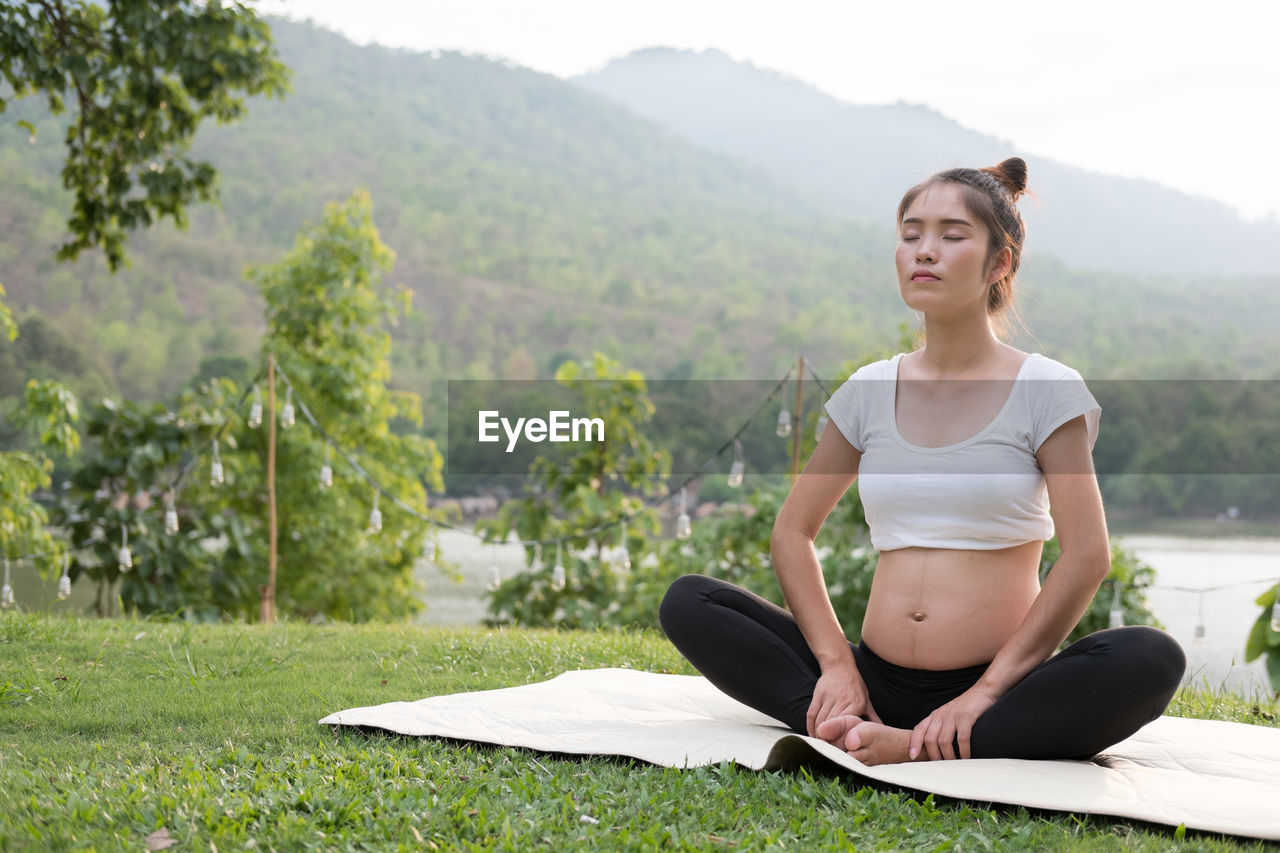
x=142 y=75
x=115 y=729
x=1264 y=638
x=577 y=499
x=49 y=413
x=327 y=314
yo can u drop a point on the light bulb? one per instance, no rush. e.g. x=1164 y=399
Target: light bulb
x=215 y=469
x=255 y=411
x=684 y=527
x=558 y=578
x=6 y=591
x=1275 y=614
x=495 y=577
x=784 y=423
x=820 y=428
x=375 y=516
x=626 y=551
x=735 y=473
x=287 y=413
x=170 y=515
x=1199 y=630
x=429 y=551
x=1116 y=618
x=124 y=558
x=326 y=470
x=64 y=588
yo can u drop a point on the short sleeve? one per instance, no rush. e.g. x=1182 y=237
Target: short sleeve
x=847 y=409
x=1065 y=398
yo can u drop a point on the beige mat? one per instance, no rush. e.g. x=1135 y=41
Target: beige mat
x=1214 y=776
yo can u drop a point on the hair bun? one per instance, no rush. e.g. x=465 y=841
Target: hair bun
x=1012 y=175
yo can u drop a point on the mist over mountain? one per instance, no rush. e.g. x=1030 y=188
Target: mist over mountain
x=860 y=159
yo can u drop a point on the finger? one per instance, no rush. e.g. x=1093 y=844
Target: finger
x=962 y=735
x=946 y=740
x=917 y=739
x=931 y=740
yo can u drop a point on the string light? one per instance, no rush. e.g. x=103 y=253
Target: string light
x=784 y=422
x=626 y=549
x=287 y=417
x=170 y=514
x=1116 y=619
x=215 y=468
x=495 y=573
x=1199 y=632
x=255 y=411
x=736 y=469
x=820 y=427
x=6 y=591
x=124 y=557
x=375 y=516
x=684 y=527
x=559 y=578
x=64 y=582
x=326 y=470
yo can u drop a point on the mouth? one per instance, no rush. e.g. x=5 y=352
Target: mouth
x=923 y=276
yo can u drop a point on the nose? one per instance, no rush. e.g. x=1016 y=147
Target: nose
x=926 y=251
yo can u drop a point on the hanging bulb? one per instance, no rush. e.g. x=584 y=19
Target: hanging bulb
x=326 y=470
x=626 y=550
x=784 y=423
x=738 y=466
x=6 y=591
x=124 y=557
x=255 y=411
x=495 y=573
x=684 y=527
x=429 y=550
x=64 y=582
x=820 y=428
x=1200 y=618
x=170 y=515
x=287 y=414
x=215 y=470
x=1116 y=619
x=1275 y=613
x=559 y=578
x=375 y=516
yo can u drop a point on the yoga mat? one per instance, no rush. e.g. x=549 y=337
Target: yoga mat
x=1210 y=775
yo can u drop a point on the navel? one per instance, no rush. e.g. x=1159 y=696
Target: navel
x=918 y=616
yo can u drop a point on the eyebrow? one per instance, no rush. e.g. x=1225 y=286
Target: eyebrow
x=916 y=221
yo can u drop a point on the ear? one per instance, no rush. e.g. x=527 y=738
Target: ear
x=1000 y=266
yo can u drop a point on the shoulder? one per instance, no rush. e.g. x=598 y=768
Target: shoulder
x=1044 y=368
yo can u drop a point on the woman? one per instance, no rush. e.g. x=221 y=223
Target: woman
x=971 y=453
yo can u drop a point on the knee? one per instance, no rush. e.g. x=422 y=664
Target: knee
x=685 y=596
x=1154 y=655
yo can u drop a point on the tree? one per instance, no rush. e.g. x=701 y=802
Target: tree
x=140 y=76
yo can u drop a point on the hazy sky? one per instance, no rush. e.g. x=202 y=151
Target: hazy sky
x=1188 y=99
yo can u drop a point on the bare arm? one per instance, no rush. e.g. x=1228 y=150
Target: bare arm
x=826 y=477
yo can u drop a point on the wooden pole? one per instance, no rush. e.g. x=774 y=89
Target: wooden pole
x=267 y=594
x=797 y=420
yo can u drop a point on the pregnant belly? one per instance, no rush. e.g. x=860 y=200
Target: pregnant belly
x=937 y=608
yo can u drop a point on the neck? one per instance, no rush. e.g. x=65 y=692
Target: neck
x=957 y=346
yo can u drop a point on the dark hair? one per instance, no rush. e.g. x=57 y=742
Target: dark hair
x=990 y=194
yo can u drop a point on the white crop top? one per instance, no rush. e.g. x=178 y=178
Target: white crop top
x=983 y=493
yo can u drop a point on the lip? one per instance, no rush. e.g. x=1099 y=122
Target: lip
x=923 y=275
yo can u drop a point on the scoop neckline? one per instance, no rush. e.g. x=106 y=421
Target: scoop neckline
x=893 y=410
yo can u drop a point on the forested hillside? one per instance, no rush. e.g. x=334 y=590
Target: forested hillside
x=533 y=220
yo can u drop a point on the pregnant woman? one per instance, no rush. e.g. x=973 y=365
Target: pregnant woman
x=969 y=454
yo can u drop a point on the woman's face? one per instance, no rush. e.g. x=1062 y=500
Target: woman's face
x=942 y=255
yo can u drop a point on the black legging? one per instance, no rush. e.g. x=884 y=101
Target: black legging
x=1096 y=692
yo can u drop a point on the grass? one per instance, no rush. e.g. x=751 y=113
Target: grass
x=113 y=730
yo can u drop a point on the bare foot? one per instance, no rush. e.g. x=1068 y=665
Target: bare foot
x=875 y=743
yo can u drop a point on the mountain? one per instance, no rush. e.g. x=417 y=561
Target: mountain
x=860 y=159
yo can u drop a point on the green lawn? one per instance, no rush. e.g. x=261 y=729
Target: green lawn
x=111 y=730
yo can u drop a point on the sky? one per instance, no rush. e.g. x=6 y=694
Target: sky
x=1190 y=100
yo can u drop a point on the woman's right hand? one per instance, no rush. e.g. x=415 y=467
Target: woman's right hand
x=839 y=693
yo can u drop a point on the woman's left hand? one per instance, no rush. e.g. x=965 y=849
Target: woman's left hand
x=951 y=722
